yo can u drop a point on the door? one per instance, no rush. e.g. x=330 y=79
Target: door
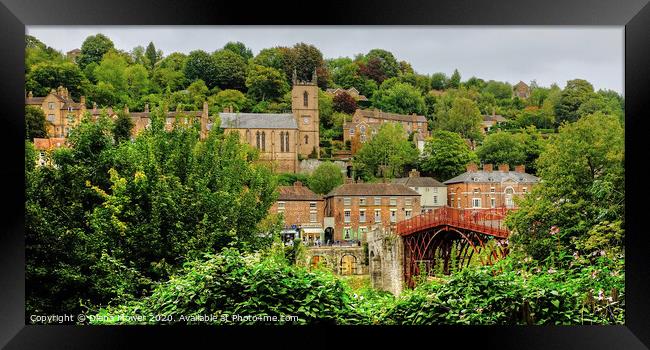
x=348 y=265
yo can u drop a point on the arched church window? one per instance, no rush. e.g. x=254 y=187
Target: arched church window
x=305 y=98
x=257 y=138
x=281 y=141
x=286 y=140
x=263 y=141
x=306 y=139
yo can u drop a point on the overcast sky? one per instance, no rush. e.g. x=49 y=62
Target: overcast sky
x=544 y=54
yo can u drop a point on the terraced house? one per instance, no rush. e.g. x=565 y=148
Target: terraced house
x=488 y=188
x=352 y=209
x=366 y=123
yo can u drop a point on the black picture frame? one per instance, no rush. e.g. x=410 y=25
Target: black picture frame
x=16 y=14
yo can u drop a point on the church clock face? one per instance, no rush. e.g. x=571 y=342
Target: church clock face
x=305 y=120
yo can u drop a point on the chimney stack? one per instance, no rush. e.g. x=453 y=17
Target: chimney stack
x=349 y=180
x=297 y=184
x=520 y=168
x=504 y=167
x=414 y=173
x=94 y=107
x=30 y=95
x=472 y=167
x=126 y=109
x=487 y=168
x=82 y=100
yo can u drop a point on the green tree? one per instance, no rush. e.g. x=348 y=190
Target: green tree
x=47 y=75
x=169 y=72
x=34 y=123
x=380 y=65
x=265 y=83
x=152 y=55
x=325 y=178
x=93 y=49
x=463 y=117
x=240 y=49
x=454 y=81
x=575 y=93
x=498 y=89
x=227 y=98
x=386 y=154
x=273 y=58
x=122 y=127
x=581 y=195
x=439 y=81
x=399 y=97
x=229 y=70
x=201 y=65
x=446 y=155
x=502 y=148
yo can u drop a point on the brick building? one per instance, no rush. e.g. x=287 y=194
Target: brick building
x=521 y=90
x=44 y=148
x=61 y=112
x=433 y=193
x=303 y=212
x=353 y=209
x=366 y=123
x=488 y=188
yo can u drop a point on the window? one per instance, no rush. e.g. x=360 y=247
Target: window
x=305 y=98
x=362 y=201
x=346 y=234
x=281 y=141
x=408 y=213
x=377 y=200
x=492 y=190
x=524 y=190
x=509 y=202
x=408 y=201
x=362 y=215
x=50 y=118
x=263 y=140
x=313 y=217
x=312 y=205
x=458 y=201
x=393 y=215
x=435 y=199
x=476 y=202
x=280 y=207
x=347 y=215
x=257 y=139
x=377 y=215
x=306 y=139
x=347 y=201
x=393 y=201
x=477 y=191
x=362 y=129
x=50 y=105
x=493 y=203
x=435 y=190
x=351 y=131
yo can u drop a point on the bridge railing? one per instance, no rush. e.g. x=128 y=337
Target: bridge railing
x=488 y=221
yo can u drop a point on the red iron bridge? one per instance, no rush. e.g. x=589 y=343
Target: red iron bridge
x=448 y=237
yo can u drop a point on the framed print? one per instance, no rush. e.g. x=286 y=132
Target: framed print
x=421 y=172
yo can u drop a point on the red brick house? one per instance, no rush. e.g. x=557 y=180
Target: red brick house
x=302 y=210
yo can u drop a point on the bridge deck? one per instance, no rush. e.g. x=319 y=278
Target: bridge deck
x=486 y=221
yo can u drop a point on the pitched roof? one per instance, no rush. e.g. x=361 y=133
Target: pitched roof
x=418 y=181
x=493 y=176
x=372 y=189
x=34 y=100
x=258 y=121
x=369 y=113
x=496 y=117
x=297 y=193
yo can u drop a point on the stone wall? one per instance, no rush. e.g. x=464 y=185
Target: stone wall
x=333 y=257
x=386 y=261
x=307 y=166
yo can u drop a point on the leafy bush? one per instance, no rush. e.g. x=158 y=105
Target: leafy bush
x=231 y=284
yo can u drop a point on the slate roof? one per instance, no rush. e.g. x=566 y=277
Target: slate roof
x=418 y=181
x=372 y=189
x=492 y=176
x=369 y=113
x=297 y=193
x=258 y=121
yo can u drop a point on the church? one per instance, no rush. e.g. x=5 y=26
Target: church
x=282 y=138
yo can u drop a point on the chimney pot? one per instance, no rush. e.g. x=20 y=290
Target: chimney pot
x=520 y=168
x=487 y=167
x=472 y=167
x=414 y=173
x=297 y=184
x=504 y=167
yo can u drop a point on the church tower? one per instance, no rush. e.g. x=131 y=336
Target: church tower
x=304 y=105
